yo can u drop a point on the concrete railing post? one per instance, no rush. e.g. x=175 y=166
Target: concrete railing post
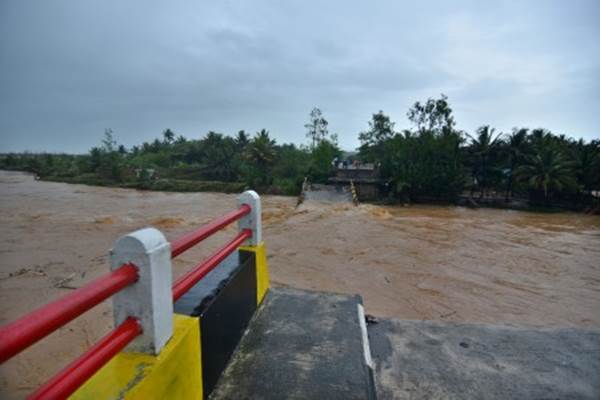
x=253 y=219
x=149 y=299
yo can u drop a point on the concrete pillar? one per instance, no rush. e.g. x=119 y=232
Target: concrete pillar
x=253 y=220
x=150 y=298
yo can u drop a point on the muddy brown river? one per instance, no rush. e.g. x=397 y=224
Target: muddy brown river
x=417 y=262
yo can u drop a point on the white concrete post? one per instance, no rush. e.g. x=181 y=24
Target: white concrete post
x=252 y=220
x=150 y=298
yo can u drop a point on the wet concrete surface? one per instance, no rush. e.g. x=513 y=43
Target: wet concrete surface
x=437 y=360
x=300 y=345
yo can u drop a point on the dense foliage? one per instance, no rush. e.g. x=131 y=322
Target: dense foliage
x=431 y=161
x=435 y=161
x=214 y=162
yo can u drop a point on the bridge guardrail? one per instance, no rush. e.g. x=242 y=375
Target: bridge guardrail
x=143 y=297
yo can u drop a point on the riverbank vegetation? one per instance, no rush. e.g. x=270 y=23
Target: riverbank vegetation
x=216 y=162
x=431 y=161
x=435 y=161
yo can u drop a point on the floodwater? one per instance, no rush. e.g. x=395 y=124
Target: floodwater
x=417 y=262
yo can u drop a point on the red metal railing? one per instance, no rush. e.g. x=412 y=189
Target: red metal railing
x=186 y=282
x=186 y=241
x=75 y=374
x=22 y=333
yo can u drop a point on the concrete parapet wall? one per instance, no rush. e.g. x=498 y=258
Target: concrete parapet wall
x=209 y=322
x=174 y=374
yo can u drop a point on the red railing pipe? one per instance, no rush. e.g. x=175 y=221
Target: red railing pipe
x=67 y=381
x=22 y=333
x=186 y=282
x=186 y=241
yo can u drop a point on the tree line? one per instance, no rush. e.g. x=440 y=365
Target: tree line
x=436 y=161
x=215 y=162
x=431 y=161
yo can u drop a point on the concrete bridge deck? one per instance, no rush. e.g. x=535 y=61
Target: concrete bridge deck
x=436 y=360
x=308 y=345
x=300 y=345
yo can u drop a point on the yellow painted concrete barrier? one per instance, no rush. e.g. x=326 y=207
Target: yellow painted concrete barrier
x=262 y=269
x=174 y=374
x=177 y=372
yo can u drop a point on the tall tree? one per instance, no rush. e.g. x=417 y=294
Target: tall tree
x=587 y=164
x=426 y=162
x=434 y=115
x=484 y=147
x=515 y=148
x=316 y=127
x=109 y=144
x=241 y=140
x=261 y=155
x=108 y=158
x=320 y=166
x=547 y=171
x=424 y=165
x=381 y=129
x=216 y=155
x=168 y=136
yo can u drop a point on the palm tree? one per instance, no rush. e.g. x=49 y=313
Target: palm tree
x=241 y=139
x=483 y=147
x=587 y=164
x=516 y=149
x=169 y=136
x=540 y=138
x=546 y=171
x=261 y=154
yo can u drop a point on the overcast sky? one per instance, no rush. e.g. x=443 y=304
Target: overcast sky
x=70 y=69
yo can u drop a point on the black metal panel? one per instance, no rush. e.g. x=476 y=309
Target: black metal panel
x=225 y=301
x=195 y=300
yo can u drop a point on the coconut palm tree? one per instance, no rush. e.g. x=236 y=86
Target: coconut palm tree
x=484 y=146
x=261 y=154
x=587 y=164
x=546 y=171
x=168 y=136
x=515 y=149
x=241 y=140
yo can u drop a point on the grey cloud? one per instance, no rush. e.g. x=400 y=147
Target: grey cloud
x=69 y=69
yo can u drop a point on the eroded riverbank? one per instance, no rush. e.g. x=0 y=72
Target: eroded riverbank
x=419 y=262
